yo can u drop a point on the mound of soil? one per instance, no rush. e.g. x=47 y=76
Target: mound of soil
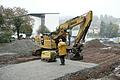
x=94 y=44
x=17 y=51
x=106 y=56
x=19 y=46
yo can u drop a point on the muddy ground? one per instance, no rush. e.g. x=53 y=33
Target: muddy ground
x=107 y=55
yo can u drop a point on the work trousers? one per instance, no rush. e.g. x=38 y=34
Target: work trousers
x=62 y=59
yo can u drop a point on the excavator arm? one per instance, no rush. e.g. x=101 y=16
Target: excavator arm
x=77 y=47
x=84 y=28
x=68 y=25
x=84 y=21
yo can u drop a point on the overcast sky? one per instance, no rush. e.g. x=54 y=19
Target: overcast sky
x=67 y=7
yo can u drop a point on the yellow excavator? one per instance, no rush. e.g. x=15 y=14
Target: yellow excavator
x=49 y=42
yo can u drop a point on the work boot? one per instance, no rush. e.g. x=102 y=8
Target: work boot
x=62 y=64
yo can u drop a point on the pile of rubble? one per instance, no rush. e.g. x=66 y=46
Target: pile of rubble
x=23 y=46
x=17 y=51
x=107 y=56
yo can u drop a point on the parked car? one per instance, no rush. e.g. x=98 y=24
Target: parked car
x=22 y=36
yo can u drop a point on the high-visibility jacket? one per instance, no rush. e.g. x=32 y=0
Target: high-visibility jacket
x=62 y=48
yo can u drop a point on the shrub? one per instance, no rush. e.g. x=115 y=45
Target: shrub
x=5 y=37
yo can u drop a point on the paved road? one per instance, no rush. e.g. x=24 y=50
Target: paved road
x=39 y=70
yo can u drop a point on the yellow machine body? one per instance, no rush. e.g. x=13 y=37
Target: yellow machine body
x=48 y=44
x=37 y=39
x=48 y=55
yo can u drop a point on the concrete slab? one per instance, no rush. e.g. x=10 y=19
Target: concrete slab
x=39 y=70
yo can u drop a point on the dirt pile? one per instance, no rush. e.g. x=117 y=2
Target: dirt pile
x=17 y=51
x=94 y=44
x=110 y=50
x=107 y=56
x=96 y=52
x=19 y=46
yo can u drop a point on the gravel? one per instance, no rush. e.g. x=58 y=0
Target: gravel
x=24 y=46
x=17 y=52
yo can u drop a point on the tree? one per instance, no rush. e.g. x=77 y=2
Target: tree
x=43 y=29
x=114 y=30
x=17 y=23
x=5 y=30
x=1 y=20
x=12 y=19
x=27 y=22
x=108 y=30
x=1 y=17
x=102 y=29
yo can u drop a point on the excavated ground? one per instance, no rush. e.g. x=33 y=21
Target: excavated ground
x=107 y=55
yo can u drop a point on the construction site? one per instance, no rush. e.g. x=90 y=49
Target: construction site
x=99 y=62
x=84 y=47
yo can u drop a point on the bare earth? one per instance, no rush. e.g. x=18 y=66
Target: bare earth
x=106 y=55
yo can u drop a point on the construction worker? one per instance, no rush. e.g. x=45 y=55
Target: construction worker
x=62 y=51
